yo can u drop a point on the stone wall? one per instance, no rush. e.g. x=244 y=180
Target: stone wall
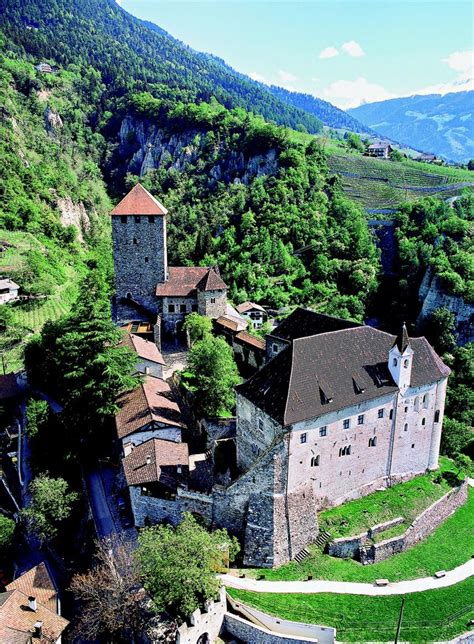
x=212 y=304
x=349 y=547
x=208 y=621
x=216 y=429
x=245 y=631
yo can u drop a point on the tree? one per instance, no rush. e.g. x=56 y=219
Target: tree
x=197 y=326
x=354 y=142
x=463 y=464
x=110 y=595
x=179 y=565
x=396 y=155
x=214 y=375
x=470 y=164
x=37 y=415
x=51 y=503
x=440 y=330
x=7 y=530
x=455 y=437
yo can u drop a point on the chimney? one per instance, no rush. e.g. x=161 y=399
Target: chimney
x=148 y=460
x=38 y=630
x=32 y=604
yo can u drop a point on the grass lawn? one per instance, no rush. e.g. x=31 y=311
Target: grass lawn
x=450 y=545
x=428 y=616
x=404 y=500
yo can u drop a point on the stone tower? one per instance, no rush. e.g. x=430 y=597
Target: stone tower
x=140 y=255
x=400 y=360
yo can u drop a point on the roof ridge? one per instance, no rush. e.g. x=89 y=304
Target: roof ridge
x=289 y=381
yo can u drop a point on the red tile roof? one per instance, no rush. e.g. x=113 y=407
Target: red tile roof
x=144 y=464
x=249 y=306
x=139 y=202
x=185 y=281
x=151 y=401
x=145 y=349
x=245 y=337
x=38 y=583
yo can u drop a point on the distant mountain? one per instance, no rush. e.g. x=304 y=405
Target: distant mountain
x=326 y=112
x=443 y=125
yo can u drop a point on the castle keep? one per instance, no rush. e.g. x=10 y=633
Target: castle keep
x=145 y=285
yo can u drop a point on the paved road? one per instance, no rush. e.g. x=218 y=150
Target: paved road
x=350 y=588
x=103 y=518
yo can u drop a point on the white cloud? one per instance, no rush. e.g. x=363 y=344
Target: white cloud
x=329 y=52
x=347 y=93
x=353 y=49
x=286 y=77
x=461 y=61
x=257 y=77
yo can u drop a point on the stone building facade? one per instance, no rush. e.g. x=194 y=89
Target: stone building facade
x=144 y=284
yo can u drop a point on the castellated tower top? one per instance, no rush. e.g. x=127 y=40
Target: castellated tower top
x=139 y=202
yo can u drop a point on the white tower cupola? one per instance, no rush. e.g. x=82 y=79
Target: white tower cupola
x=400 y=360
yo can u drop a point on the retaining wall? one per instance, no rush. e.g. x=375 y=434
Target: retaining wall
x=345 y=547
x=248 y=632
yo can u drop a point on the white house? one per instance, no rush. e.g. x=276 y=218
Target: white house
x=8 y=290
x=255 y=313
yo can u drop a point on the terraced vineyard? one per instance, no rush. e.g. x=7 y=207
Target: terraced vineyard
x=378 y=184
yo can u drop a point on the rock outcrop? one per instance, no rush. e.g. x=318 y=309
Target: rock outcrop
x=52 y=121
x=74 y=214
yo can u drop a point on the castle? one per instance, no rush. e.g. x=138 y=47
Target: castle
x=144 y=283
x=338 y=410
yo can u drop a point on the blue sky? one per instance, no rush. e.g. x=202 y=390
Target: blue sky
x=347 y=51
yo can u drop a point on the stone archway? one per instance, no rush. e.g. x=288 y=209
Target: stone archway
x=204 y=639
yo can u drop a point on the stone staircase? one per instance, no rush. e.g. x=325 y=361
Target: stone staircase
x=322 y=539
x=301 y=556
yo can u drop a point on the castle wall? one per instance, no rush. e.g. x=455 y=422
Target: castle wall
x=208 y=307
x=256 y=431
x=172 y=320
x=139 y=249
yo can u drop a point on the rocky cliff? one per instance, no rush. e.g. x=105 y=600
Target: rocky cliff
x=432 y=296
x=146 y=146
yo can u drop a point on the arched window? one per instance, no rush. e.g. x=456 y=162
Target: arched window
x=395 y=362
x=391 y=414
x=373 y=441
x=135 y=240
x=436 y=416
x=423 y=421
x=341 y=452
x=405 y=364
x=315 y=461
x=129 y=296
x=348 y=450
x=406 y=427
x=416 y=404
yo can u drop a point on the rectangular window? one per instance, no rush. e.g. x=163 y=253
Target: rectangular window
x=123 y=219
x=360 y=419
x=303 y=438
x=170 y=308
x=182 y=308
x=391 y=414
x=323 y=431
x=275 y=348
x=381 y=413
x=146 y=260
x=213 y=300
x=346 y=423
x=436 y=416
x=137 y=220
x=194 y=308
x=151 y=219
x=260 y=424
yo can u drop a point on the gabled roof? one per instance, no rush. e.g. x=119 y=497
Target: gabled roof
x=379 y=145
x=37 y=582
x=247 y=338
x=249 y=306
x=145 y=462
x=229 y=322
x=151 y=401
x=139 y=202
x=331 y=371
x=8 y=283
x=145 y=349
x=305 y=322
x=185 y=281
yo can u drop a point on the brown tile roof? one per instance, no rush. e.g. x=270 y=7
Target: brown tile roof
x=17 y=621
x=331 y=371
x=38 y=583
x=304 y=322
x=231 y=323
x=151 y=401
x=139 y=202
x=146 y=461
x=145 y=349
x=185 y=281
x=249 y=306
x=245 y=337
x=9 y=386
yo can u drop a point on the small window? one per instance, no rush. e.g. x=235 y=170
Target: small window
x=406 y=427
x=395 y=362
x=194 y=308
x=391 y=414
x=303 y=438
x=323 y=431
x=406 y=410
x=260 y=424
x=413 y=445
x=315 y=461
x=171 y=308
x=135 y=240
x=213 y=300
x=436 y=416
x=346 y=423
x=416 y=404
x=373 y=441
x=425 y=398
x=146 y=260
x=275 y=348
x=255 y=450
x=405 y=364
x=151 y=219
x=137 y=220
x=123 y=219
x=129 y=296
x=423 y=421
x=380 y=413
x=348 y=450
x=182 y=308
x=360 y=419
x=340 y=451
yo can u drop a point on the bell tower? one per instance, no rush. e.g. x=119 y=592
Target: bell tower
x=400 y=360
x=140 y=254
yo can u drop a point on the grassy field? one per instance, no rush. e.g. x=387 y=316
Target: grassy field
x=381 y=184
x=436 y=615
x=403 y=500
x=449 y=546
